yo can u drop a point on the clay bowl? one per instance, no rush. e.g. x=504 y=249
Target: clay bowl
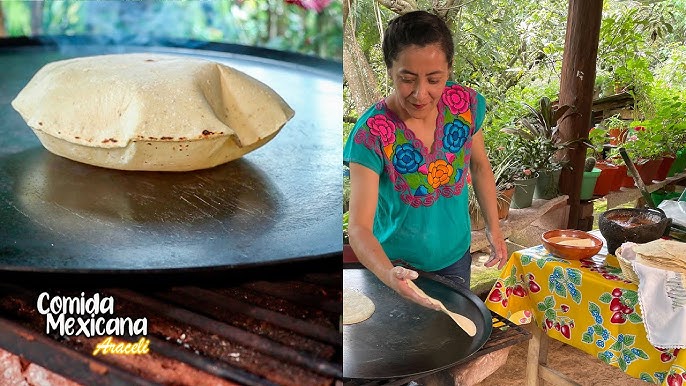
x=628 y=224
x=570 y=252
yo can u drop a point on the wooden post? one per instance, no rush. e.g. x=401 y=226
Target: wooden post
x=576 y=89
x=537 y=370
x=537 y=355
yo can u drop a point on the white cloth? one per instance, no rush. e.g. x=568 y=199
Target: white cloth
x=676 y=210
x=664 y=314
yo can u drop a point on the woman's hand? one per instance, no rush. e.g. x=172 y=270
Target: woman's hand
x=397 y=279
x=364 y=185
x=485 y=190
x=498 y=250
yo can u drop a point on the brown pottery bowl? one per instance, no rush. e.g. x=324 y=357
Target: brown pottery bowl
x=570 y=252
x=630 y=224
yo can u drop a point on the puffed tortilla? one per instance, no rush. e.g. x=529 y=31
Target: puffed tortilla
x=150 y=111
x=357 y=307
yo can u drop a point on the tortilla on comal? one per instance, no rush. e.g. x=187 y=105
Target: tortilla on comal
x=149 y=111
x=356 y=307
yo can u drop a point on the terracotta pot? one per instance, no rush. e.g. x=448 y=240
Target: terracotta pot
x=650 y=169
x=616 y=135
x=646 y=169
x=628 y=181
x=606 y=179
x=504 y=200
x=619 y=178
x=663 y=170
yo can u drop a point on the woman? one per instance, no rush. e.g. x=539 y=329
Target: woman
x=409 y=156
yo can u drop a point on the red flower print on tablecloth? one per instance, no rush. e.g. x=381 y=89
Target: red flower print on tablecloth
x=457 y=99
x=382 y=127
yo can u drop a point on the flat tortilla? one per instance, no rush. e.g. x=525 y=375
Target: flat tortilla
x=356 y=307
x=149 y=111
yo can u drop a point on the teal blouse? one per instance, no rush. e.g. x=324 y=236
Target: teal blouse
x=422 y=215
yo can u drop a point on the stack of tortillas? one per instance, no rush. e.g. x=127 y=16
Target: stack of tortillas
x=660 y=266
x=150 y=111
x=664 y=254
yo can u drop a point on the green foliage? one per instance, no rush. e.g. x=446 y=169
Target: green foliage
x=614 y=122
x=516 y=57
x=501 y=163
x=537 y=138
x=17 y=17
x=347 y=128
x=597 y=138
x=266 y=23
x=665 y=126
x=346 y=216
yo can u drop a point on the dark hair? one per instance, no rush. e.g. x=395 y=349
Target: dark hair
x=419 y=28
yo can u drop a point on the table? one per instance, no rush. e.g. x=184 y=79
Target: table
x=587 y=304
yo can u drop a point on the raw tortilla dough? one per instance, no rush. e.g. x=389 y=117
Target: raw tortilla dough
x=149 y=111
x=356 y=307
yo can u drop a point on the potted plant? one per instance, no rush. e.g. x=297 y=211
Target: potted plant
x=589 y=180
x=525 y=183
x=646 y=148
x=665 y=123
x=615 y=159
x=522 y=173
x=537 y=133
x=502 y=162
x=616 y=129
x=596 y=142
x=476 y=217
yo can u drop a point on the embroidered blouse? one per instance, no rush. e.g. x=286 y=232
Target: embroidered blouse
x=421 y=215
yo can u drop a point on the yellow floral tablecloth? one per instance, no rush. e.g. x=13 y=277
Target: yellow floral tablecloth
x=586 y=304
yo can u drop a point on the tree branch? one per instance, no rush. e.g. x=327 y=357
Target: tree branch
x=357 y=71
x=400 y=7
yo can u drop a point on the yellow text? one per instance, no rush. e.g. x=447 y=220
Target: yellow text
x=108 y=346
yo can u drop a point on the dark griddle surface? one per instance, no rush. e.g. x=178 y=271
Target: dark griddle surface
x=280 y=203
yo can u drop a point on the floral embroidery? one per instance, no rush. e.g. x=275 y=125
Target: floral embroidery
x=455 y=135
x=456 y=98
x=439 y=173
x=381 y=126
x=420 y=174
x=407 y=159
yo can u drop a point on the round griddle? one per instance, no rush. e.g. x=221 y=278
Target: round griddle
x=403 y=339
x=282 y=202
